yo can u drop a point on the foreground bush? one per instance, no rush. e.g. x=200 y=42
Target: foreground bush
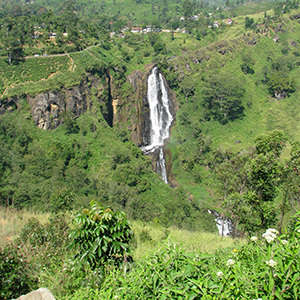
x=266 y=268
x=14 y=273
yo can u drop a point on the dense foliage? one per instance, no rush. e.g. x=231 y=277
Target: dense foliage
x=235 y=147
x=55 y=171
x=266 y=268
x=14 y=269
x=101 y=235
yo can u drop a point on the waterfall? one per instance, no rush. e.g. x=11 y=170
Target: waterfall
x=160 y=119
x=161 y=165
x=224 y=224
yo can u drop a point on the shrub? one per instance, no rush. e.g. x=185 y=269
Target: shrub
x=14 y=272
x=100 y=236
x=62 y=200
x=266 y=268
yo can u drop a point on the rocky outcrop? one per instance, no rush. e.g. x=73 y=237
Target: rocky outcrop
x=48 y=109
x=40 y=294
x=9 y=105
x=275 y=38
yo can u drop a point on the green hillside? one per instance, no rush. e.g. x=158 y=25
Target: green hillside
x=245 y=59
x=81 y=210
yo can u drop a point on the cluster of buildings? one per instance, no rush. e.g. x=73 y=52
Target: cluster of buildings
x=150 y=28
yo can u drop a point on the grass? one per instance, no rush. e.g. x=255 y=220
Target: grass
x=148 y=236
x=12 y=221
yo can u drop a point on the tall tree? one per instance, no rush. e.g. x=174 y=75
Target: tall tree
x=223 y=97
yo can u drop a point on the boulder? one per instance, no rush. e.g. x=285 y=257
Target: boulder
x=276 y=38
x=40 y=294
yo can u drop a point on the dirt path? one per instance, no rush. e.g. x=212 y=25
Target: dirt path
x=56 y=55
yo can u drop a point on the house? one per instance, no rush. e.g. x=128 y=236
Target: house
x=136 y=29
x=216 y=24
x=228 y=21
x=182 y=19
x=65 y=34
x=195 y=18
x=36 y=34
x=52 y=35
x=148 y=28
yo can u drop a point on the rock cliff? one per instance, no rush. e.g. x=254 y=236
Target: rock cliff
x=123 y=105
x=48 y=109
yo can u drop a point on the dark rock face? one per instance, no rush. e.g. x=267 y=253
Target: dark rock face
x=9 y=104
x=276 y=38
x=134 y=111
x=141 y=124
x=47 y=108
x=280 y=95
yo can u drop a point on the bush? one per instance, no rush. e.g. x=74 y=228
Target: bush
x=15 y=273
x=266 y=268
x=100 y=236
x=62 y=200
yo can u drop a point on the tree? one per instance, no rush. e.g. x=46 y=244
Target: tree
x=249 y=183
x=247 y=65
x=222 y=97
x=248 y=22
x=62 y=200
x=101 y=235
x=158 y=47
x=13 y=48
x=264 y=174
x=280 y=83
x=290 y=183
x=188 y=9
x=153 y=38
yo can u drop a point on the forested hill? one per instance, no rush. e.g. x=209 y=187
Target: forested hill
x=234 y=69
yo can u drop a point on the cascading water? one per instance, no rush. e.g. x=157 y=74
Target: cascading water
x=224 y=224
x=161 y=166
x=160 y=119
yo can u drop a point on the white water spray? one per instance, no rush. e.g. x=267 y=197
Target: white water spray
x=160 y=118
x=162 y=165
x=224 y=224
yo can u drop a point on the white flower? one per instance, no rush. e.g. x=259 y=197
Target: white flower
x=220 y=274
x=272 y=230
x=284 y=242
x=271 y=263
x=253 y=238
x=230 y=262
x=270 y=235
